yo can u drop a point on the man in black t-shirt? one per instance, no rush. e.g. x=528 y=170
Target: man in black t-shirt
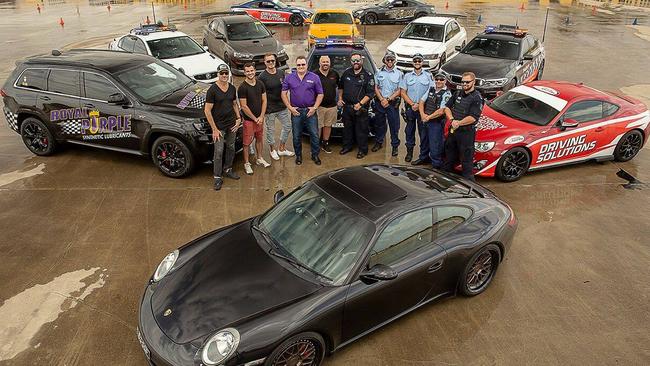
x=328 y=110
x=252 y=98
x=275 y=108
x=222 y=112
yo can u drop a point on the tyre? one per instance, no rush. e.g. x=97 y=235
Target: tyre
x=628 y=146
x=37 y=137
x=540 y=71
x=513 y=164
x=371 y=18
x=172 y=156
x=295 y=20
x=306 y=349
x=480 y=270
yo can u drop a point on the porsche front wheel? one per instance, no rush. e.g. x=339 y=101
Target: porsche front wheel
x=304 y=349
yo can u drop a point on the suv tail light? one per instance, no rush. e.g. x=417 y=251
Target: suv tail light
x=3 y=93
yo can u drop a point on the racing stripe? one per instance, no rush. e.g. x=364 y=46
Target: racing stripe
x=553 y=101
x=596 y=125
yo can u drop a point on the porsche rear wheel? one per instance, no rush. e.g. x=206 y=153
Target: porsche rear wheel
x=480 y=270
x=304 y=349
x=628 y=146
x=371 y=18
x=513 y=164
x=295 y=20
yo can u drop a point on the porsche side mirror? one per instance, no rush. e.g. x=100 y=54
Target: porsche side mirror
x=457 y=48
x=117 y=98
x=568 y=123
x=278 y=196
x=378 y=272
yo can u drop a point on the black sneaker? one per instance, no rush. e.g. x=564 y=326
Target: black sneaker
x=394 y=152
x=325 y=146
x=316 y=159
x=377 y=147
x=218 y=182
x=231 y=174
x=298 y=160
x=409 y=154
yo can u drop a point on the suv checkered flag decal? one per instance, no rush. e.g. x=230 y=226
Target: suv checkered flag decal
x=71 y=127
x=12 y=119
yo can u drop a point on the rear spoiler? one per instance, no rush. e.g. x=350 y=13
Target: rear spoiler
x=626 y=98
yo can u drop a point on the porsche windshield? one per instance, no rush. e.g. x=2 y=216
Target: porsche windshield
x=428 y=32
x=332 y=18
x=318 y=232
x=496 y=48
x=174 y=47
x=524 y=108
x=247 y=30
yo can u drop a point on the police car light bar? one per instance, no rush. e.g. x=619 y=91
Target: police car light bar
x=507 y=29
x=352 y=41
x=146 y=29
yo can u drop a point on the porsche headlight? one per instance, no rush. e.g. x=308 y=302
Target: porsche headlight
x=484 y=146
x=165 y=266
x=220 y=346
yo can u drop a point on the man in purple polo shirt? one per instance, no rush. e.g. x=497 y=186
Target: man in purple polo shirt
x=302 y=93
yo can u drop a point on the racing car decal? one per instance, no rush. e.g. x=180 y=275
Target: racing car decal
x=486 y=123
x=532 y=68
x=400 y=13
x=267 y=16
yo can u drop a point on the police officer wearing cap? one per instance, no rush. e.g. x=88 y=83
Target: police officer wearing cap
x=386 y=106
x=432 y=113
x=356 y=88
x=414 y=85
x=464 y=110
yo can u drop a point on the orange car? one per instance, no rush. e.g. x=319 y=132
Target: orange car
x=332 y=23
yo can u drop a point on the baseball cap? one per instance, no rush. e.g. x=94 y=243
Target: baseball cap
x=440 y=76
x=390 y=55
x=223 y=67
x=418 y=56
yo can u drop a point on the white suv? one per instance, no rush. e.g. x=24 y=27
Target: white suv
x=173 y=47
x=435 y=38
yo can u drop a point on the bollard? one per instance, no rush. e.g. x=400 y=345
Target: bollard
x=480 y=19
x=61 y=22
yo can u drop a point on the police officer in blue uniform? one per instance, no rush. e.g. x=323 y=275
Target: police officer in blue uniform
x=386 y=105
x=432 y=113
x=356 y=89
x=414 y=85
x=464 y=110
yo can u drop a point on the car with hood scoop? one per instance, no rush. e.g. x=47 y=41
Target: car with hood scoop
x=239 y=39
x=501 y=57
x=342 y=255
x=114 y=100
x=545 y=124
x=435 y=38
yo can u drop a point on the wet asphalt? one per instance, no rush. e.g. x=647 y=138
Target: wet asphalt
x=82 y=231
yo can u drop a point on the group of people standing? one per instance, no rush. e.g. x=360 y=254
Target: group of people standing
x=309 y=101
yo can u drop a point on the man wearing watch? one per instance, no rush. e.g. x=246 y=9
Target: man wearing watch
x=356 y=88
x=222 y=112
x=386 y=107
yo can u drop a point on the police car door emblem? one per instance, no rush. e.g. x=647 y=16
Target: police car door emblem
x=167 y=312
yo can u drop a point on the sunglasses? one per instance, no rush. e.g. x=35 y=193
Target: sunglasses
x=223 y=72
x=417 y=61
x=466 y=81
x=300 y=65
x=439 y=79
x=270 y=61
x=390 y=60
x=356 y=60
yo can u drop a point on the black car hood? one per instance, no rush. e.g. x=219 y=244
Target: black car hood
x=484 y=67
x=256 y=46
x=231 y=279
x=188 y=101
x=369 y=6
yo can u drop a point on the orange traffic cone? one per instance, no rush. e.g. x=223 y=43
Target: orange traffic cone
x=593 y=10
x=447 y=5
x=109 y=8
x=311 y=4
x=61 y=22
x=148 y=21
x=522 y=7
x=38 y=7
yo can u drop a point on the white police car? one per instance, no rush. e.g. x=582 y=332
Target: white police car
x=173 y=47
x=435 y=38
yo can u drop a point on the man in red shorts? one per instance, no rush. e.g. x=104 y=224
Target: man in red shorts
x=252 y=98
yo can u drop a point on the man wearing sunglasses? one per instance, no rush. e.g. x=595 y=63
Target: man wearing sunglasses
x=463 y=109
x=432 y=108
x=222 y=113
x=356 y=88
x=302 y=93
x=387 y=91
x=414 y=85
x=275 y=109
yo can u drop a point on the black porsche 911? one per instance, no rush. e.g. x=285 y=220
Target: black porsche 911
x=393 y=11
x=342 y=255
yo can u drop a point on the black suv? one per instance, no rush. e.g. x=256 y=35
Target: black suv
x=240 y=39
x=113 y=100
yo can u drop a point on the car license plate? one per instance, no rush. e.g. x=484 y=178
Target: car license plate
x=337 y=125
x=147 y=353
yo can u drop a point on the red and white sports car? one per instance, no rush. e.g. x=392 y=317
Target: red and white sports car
x=273 y=12
x=545 y=124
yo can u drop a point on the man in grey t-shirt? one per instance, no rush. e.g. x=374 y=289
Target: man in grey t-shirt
x=275 y=109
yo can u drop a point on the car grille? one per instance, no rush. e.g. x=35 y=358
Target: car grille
x=403 y=55
x=206 y=76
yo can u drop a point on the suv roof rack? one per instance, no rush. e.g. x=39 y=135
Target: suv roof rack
x=506 y=29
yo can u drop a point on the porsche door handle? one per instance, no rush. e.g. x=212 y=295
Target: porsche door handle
x=434 y=267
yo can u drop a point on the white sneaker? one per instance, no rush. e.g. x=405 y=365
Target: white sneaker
x=248 y=168
x=286 y=153
x=274 y=155
x=262 y=162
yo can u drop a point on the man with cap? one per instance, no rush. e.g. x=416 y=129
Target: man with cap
x=432 y=114
x=463 y=109
x=414 y=85
x=388 y=93
x=356 y=88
